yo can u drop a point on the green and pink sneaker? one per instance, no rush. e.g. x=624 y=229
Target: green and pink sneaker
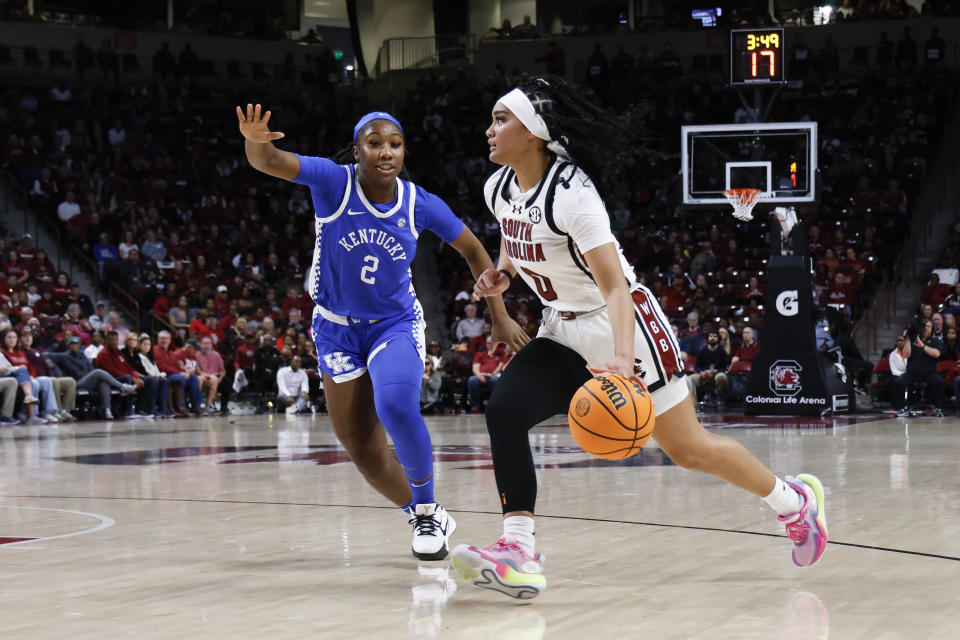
x=808 y=527
x=503 y=567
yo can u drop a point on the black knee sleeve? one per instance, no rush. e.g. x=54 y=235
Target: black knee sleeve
x=537 y=384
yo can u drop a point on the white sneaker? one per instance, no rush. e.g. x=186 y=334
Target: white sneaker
x=51 y=417
x=128 y=389
x=34 y=420
x=292 y=409
x=432 y=528
x=65 y=416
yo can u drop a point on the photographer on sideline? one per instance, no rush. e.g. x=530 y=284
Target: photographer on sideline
x=922 y=350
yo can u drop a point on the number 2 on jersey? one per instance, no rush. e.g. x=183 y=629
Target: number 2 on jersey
x=365 y=273
x=544 y=286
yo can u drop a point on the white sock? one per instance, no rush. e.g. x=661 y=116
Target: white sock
x=784 y=499
x=519 y=530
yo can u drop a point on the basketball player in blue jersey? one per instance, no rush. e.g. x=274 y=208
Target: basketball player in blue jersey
x=367 y=323
x=559 y=154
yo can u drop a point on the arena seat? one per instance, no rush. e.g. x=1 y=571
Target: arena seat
x=882 y=371
x=740 y=367
x=947 y=369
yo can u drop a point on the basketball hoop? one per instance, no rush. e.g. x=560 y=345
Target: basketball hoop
x=743 y=201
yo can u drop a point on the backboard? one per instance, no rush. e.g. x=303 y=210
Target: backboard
x=779 y=158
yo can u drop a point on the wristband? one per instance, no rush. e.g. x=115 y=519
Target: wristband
x=506 y=273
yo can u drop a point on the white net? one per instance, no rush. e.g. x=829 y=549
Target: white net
x=743 y=201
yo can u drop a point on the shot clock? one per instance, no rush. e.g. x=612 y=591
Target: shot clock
x=756 y=56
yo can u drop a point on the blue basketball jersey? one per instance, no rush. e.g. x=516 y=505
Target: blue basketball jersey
x=363 y=250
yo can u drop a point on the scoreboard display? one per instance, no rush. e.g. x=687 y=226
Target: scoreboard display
x=756 y=56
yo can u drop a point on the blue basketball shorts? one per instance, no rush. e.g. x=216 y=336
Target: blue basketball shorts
x=346 y=346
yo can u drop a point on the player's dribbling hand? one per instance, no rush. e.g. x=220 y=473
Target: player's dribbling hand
x=509 y=333
x=622 y=366
x=490 y=283
x=253 y=125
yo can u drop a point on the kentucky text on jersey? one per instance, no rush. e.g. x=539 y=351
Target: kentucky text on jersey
x=373 y=236
x=363 y=250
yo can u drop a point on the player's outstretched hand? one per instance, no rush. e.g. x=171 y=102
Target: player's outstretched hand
x=490 y=283
x=509 y=333
x=253 y=125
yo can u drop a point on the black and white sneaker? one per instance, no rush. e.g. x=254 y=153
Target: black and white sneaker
x=432 y=528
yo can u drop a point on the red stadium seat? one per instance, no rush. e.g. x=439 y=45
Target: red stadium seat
x=740 y=367
x=948 y=369
x=882 y=371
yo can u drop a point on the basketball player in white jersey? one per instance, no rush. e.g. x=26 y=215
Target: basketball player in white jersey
x=555 y=235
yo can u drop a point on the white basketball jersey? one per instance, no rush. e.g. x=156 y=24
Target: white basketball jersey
x=547 y=230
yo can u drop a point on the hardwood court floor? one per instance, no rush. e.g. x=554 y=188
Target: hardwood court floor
x=259 y=527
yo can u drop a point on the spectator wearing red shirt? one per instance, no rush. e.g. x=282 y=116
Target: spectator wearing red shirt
x=935 y=293
x=245 y=353
x=841 y=292
x=167 y=301
x=112 y=361
x=221 y=302
x=292 y=301
x=748 y=349
x=179 y=378
x=64 y=388
x=675 y=295
x=199 y=328
x=61 y=288
x=243 y=361
x=42 y=267
x=487 y=366
x=14 y=268
x=46 y=306
x=855 y=266
x=32 y=387
x=732 y=258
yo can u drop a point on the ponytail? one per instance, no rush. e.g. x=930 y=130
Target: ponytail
x=594 y=139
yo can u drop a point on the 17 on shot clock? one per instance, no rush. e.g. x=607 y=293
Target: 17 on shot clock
x=756 y=56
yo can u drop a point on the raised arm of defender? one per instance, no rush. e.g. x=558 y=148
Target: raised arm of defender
x=258 y=144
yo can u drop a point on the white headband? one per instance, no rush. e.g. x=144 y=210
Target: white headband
x=518 y=103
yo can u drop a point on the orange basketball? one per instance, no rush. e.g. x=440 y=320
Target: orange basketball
x=611 y=417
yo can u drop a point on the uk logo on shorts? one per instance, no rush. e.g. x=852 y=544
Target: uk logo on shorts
x=338 y=363
x=785 y=377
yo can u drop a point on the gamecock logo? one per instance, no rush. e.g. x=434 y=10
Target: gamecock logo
x=785 y=377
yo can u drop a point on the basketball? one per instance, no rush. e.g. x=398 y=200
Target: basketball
x=611 y=417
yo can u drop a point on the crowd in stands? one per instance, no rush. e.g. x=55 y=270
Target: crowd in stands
x=46 y=366
x=148 y=181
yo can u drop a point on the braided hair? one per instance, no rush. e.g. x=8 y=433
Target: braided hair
x=594 y=139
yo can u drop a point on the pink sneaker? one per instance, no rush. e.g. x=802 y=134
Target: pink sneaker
x=503 y=567
x=808 y=527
